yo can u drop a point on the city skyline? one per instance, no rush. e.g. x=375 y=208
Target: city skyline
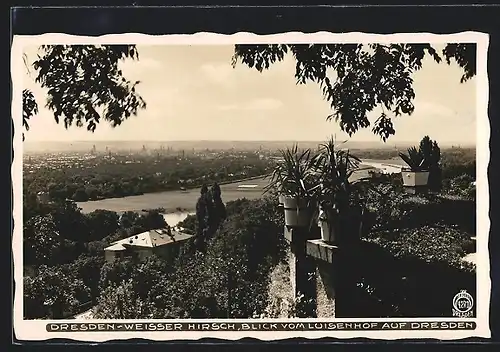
x=193 y=93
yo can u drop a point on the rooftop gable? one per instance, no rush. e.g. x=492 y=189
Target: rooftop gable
x=150 y=239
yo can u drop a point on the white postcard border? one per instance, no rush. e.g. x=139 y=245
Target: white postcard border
x=36 y=329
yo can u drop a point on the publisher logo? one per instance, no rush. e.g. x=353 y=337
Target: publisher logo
x=462 y=304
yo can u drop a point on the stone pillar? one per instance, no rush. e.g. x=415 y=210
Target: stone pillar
x=325 y=260
x=302 y=270
x=336 y=271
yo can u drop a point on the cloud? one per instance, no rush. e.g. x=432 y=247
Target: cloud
x=228 y=107
x=264 y=104
x=134 y=67
x=218 y=72
x=256 y=104
x=430 y=108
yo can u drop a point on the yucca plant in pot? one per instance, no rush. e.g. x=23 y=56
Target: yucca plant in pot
x=294 y=179
x=340 y=198
x=416 y=173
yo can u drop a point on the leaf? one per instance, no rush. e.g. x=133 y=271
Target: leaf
x=364 y=77
x=60 y=68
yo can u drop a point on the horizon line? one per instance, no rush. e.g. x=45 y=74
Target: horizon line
x=381 y=144
x=228 y=140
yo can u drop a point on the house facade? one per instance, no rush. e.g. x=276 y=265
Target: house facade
x=162 y=242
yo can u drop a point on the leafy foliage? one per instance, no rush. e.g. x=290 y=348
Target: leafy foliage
x=432 y=158
x=430 y=152
x=428 y=243
x=465 y=56
x=462 y=186
x=50 y=293
x=335 y=167
x=396 y=210
x=149 y=220
x=294 y=176
x=87 y=269
x=414 y=159
x=357 y=78
x=420 y=282
x=104 y=223
x=229 y=279
x=219 y=213
x=458 y=161
x=121 y=301
x=85 y=85
x=426 y=158
x=422 y=239
x=203 y=204
x=210 y=213
x=341 y=197
x=41 y=241
x=30 y=108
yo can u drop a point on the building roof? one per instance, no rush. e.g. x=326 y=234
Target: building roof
x=149 y=239
x=115 y=247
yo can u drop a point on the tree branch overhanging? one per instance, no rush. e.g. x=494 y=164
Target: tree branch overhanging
x=356 y=78
x=82 y=80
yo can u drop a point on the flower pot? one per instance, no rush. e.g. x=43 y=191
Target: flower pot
x=281 y=200
x=415 y=178
x=340 y=230
x=297 y=212
x=326 y=225
x=327 y=233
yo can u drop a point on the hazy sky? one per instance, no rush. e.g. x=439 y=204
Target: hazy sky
x=193 y=93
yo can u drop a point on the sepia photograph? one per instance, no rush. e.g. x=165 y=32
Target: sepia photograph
x=296 y=183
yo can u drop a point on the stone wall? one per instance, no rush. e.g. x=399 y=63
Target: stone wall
x=325 y=292
x=323 y=256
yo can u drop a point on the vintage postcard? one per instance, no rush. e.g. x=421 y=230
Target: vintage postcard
x=230 y=186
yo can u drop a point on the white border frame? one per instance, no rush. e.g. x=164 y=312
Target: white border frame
x=36 y=329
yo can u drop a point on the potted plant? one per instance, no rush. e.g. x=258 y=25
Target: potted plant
x=432 y=156
x=274 y=187
x=340 y=198
x=294 y=179
x=415 y=174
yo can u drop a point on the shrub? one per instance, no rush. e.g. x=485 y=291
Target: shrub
x=189 y=224
x=228 y=279
x=461 y=186
x=121 y=301
x=52 y=293
x=423 y=269
x=397 y=210
x=418 y=243
x=430 y=244
x=454 y=168
x=88 y=269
